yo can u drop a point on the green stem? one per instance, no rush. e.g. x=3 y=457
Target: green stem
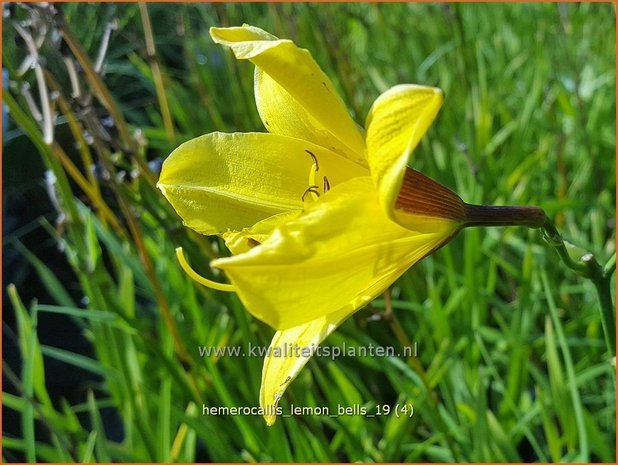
x=489 y=215
x=607 y=312
x=585 y=265
x=588 y=267
x=553 y=238
x=610 y=266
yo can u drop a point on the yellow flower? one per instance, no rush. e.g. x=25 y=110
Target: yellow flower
x=320 y=215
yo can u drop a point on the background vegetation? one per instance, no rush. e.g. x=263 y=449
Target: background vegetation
x=101 y=327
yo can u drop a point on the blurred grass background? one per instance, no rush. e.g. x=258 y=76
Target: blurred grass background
x=101 y=328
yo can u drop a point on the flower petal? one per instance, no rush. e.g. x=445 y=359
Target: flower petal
x=396 y=123
x=220 y=182
x=294 y=97
x=337 y=255
x=242 y=241
x=283 y=361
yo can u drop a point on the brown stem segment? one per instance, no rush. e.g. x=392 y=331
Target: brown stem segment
x=423 y=196
x=489 y=215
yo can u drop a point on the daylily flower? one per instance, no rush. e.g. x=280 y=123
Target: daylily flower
x=320 y=215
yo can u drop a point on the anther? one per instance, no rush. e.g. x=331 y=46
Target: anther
x=311 y=189
x=315 y=160
x=326 y=185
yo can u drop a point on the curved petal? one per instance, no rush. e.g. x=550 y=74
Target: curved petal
x=283 y=361
x=395 y=125
x=294 y=97
x=242 y=241
x=337 y=255
x=220 y=182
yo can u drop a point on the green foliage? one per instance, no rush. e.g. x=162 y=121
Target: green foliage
x=512 y=364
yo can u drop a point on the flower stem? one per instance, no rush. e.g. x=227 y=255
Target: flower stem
x=489 y=215
x=588 y=267
x=585 y=264
x=607 y=311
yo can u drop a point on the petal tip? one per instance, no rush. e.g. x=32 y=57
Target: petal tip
x=163 y=188
x=214 y=33
x=238 y=34
x=438 y=94
x=270 y=419
x=269 y=409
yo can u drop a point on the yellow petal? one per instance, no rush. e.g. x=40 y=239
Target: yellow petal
x=396 y=123
x=294 y=97
x=221 y=182
x=242 y=241
x=337 y=255
x=288 y=353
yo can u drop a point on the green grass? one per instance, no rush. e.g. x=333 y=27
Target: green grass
x=515 y=366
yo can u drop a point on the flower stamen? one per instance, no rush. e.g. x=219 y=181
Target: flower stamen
x=326 y=185
x=312 y=172
x=313 y=188
x=315 y=160
x=200 y=279
x=315 y=193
